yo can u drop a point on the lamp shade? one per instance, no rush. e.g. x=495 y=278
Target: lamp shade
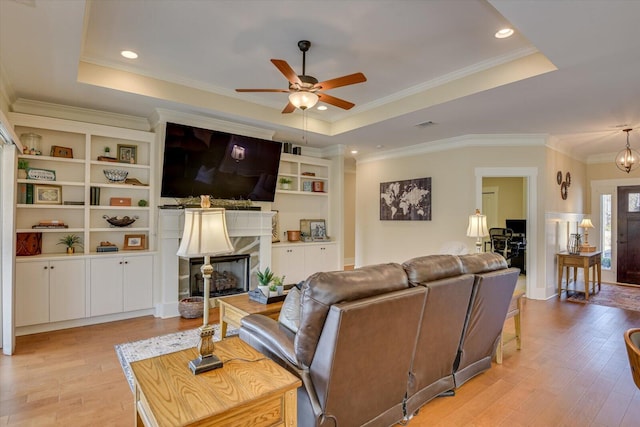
x=477 y=225
x=303 y=99
x=586 y=223
x=205 y=233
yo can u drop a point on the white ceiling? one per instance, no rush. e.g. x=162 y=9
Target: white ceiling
x=572 y=70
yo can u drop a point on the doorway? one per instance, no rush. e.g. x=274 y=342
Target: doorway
x=530 y=184
x=628 y=246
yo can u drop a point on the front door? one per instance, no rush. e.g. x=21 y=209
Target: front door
x=629 y=234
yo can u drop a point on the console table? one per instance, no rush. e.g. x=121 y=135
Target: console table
x=584 y=260
x=249 y=389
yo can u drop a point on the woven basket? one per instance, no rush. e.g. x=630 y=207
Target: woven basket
x=192 y=307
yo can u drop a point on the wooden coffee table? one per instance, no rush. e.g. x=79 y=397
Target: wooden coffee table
x=235 y=307
x=248 y=390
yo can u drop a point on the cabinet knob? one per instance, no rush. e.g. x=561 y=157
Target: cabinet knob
x=120 y=262
x=126 y=262
x=45 y=267
x=52 y=267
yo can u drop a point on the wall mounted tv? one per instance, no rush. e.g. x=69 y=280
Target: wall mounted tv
x=224 y=165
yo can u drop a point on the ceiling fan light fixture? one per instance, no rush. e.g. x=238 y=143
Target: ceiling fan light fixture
x=628 y=159
x=303 y=99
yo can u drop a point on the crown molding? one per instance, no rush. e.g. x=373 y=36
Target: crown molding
x=78 y=114
x=465 y=141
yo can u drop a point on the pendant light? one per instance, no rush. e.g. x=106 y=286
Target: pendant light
x=628 y=159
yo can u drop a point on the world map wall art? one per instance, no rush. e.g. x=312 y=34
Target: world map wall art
x=408 y=200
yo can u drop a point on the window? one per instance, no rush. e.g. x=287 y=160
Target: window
x=605 y=231
x=634 y=202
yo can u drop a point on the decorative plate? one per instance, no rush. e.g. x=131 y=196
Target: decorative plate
x=564 y=191
x=567 y=179
x=559 y=177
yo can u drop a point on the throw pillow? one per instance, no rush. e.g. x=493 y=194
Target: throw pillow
x=290 y=312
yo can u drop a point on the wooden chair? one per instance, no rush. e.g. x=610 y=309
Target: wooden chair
x=632 y=340
x=515 y=310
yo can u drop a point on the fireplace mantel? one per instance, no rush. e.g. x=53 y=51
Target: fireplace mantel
x=170 y=224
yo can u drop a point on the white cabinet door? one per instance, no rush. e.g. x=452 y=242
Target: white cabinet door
x=137 y=282
x=288 y=261
x=49 y=291
x=320 y=258
x=106 y=286
x=32 y=293
x=66 y=290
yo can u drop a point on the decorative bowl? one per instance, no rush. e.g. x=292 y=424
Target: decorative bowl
x=120 y=222
x=116 y=175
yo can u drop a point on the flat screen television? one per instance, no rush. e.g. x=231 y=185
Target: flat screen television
x=519 y=226
x=226 y=166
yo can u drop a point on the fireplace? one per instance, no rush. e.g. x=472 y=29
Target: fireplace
x=230 y=275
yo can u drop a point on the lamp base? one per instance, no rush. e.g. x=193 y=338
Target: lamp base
x=587 y=248
x=204 y=364
x=206 y=360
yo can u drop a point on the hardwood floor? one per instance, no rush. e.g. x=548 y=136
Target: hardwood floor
x=572 y=371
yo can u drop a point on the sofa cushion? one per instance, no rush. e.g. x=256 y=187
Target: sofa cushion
x=482 y=262
x=290 y=312
x=432 y=267
x=321 y=290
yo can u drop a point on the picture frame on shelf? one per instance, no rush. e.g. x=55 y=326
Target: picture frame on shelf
x=58 y=151
x=41 y=174
x=275 y=227
x=47 y=194
x=318 y=230
x=127 y=153
x=313 y=230
x=134 y=242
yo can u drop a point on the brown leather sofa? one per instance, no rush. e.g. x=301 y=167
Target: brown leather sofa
x=373 y=345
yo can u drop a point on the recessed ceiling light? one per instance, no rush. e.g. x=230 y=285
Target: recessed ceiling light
x=354 y=151
x=322 y=107
x=504 y=33
x=129 y=54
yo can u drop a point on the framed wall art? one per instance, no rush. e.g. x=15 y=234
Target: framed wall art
x=127 y=153
x=407 y=200
x=47 y=194
x=134 y=242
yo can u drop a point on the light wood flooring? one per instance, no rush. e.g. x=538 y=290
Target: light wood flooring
x=572 y=371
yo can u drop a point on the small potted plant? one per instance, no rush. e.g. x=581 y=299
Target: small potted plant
x=107 y=151
x=285 y=183
x=70 y=240
x=278 y=282
x=22 y=168
x=264 y=279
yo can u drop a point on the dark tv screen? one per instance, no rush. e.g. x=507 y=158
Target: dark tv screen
x=224 y=165
x=519 y=226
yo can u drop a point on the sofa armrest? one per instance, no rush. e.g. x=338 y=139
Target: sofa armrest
x=268 y=336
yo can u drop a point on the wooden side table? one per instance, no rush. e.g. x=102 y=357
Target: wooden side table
x=249 y=389
x=584 y=260
x=234 y=308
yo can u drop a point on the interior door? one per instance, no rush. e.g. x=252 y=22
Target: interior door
x=629 y=234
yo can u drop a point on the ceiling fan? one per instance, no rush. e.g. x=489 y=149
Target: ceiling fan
x=305 y=91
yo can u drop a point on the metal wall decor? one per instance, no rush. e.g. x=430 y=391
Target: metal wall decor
x=564 y=181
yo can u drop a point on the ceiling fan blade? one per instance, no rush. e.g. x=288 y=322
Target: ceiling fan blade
x=341 y=81
x=262 y=90
x=290 y=108
x=346 y=105
x=286 y=69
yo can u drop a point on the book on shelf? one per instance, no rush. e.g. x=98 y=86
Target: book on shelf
x=72 y=203
x=22 y=194
x=50 y=226
x=29 y=194
x=50 y=222
x=107 y=249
